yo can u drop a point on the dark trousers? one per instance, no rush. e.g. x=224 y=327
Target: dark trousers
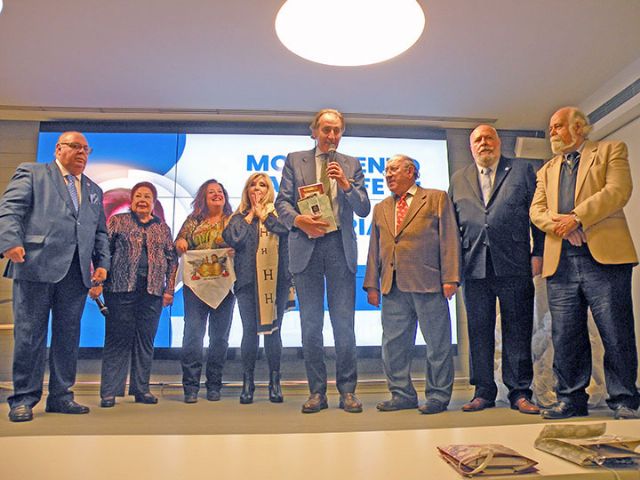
x=196 y=315
x=130 y=329
x=328 y=262
x=32 y=303
x=578 y=284
x=250 y=340
x=516 y=296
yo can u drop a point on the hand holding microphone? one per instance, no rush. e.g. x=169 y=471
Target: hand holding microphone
x=334 y=170
x=104 y=310
x=94 y=293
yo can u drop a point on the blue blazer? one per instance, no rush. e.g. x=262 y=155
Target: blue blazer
x=299 y=170
x=37 y=213
x=503 y=226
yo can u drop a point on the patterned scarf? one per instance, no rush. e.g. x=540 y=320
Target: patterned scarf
x=267 y=279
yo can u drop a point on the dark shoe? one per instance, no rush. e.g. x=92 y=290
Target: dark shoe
x=248 y=387
x=396 y=403
x=315 y=403
x=213 y=395
x=70 y=407
x=350 y=403
x=478 y=404
x=622 y=412
x=564 y=410
x=275 y=390
x=192 y=397
x=523 y=405
x=432 y=406
x=148 y=398
x=108 y=402
x=21 y=413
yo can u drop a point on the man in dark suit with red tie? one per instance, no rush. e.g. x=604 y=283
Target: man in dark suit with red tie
x=492 y=198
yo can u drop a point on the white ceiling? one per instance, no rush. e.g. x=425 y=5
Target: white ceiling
x=512 y=61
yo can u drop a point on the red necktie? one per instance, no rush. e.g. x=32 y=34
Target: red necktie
x=401 y=211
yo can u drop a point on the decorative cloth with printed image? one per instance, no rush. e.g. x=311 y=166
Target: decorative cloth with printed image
x=209 y=274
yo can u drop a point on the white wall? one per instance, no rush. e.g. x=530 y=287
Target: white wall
x=18 y=143
x=630 y=134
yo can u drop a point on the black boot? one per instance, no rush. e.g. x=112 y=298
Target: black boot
x=248 y=387
x=275 y=391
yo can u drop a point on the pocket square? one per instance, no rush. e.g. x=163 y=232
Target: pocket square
x=93 y=198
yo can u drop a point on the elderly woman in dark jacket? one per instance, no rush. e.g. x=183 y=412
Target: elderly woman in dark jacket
x=141 y=281
x=260 y=242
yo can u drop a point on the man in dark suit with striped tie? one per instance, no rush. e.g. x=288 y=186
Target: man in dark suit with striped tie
x=52 y=230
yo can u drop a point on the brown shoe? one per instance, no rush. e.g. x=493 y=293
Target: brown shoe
x=478 y=404
x=315 y=403
x=523 y=405
x=350 y=403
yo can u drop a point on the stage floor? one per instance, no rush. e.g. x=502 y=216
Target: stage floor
x=404 y=454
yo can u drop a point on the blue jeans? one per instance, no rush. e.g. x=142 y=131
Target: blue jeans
x=196 y=315
x=581 y=283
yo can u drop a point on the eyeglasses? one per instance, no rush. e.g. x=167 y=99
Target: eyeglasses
x=395 y=169
x=78 y=146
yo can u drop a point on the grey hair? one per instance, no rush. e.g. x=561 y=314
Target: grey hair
x=408 y=161
x=316 y=119
x=578 y=116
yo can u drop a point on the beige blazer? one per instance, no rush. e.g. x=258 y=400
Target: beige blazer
x=603 y=188
x=425 y=253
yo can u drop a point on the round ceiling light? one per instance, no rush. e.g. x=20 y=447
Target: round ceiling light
x=349 y=32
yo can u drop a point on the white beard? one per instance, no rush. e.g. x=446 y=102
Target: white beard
x=558 y=146
x=485 y=159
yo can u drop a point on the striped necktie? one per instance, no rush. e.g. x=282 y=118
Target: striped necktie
x=71 y=186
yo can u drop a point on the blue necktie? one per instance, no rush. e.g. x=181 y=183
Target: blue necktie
x=71 y=186
x=572 y=160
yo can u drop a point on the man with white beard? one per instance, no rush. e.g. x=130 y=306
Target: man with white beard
x=587 y=263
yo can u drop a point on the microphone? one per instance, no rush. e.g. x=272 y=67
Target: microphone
x=104 y=310
x=331 y=153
